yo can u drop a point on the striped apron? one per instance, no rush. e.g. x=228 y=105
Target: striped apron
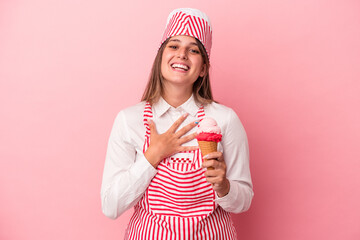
x=179 y=202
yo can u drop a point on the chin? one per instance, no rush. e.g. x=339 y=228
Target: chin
x=180 y=82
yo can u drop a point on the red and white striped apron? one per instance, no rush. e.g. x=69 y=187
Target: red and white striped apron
x=179 y=202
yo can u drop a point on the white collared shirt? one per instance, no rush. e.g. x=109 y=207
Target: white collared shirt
x=127 y=173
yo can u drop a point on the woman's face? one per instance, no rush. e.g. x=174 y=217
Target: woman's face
x=182 y=62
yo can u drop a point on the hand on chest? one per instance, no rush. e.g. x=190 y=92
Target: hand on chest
x=165 y=121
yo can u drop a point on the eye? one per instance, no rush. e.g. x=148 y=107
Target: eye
x=195 y=51
x=173 y=46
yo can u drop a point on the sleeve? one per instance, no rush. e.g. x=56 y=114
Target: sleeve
x=127 y=173
x=236 y=156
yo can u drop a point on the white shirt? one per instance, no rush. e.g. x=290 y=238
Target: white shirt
x=127 y=173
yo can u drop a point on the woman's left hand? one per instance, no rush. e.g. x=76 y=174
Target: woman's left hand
x=217 y=175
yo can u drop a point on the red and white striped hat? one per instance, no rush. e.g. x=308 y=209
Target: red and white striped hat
x=190 y=22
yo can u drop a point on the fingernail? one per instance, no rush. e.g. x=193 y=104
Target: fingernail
x=206 y=156
x=185 y=114
x=196 y=122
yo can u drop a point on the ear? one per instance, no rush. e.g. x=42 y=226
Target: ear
x=203 y=70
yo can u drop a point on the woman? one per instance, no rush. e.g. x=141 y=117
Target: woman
x=153 y=161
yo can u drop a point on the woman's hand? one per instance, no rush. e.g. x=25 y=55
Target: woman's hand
x=217 y=175
x=169 y=143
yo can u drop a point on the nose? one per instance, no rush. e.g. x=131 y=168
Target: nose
x=182 y=53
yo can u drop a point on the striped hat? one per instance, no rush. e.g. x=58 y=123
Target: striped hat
x=190 y=22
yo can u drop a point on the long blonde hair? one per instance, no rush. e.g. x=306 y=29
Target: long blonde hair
x=201 y=87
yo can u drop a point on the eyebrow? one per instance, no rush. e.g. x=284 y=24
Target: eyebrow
x=177 y=40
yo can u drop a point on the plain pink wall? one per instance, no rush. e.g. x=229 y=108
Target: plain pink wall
x=290 y=69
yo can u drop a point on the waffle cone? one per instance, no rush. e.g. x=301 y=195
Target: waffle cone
x=207 y=147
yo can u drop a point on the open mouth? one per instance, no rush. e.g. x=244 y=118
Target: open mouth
x=180 y=66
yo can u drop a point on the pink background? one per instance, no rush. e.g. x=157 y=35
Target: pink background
x=290 y=69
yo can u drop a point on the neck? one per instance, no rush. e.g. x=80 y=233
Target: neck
x=175 y=96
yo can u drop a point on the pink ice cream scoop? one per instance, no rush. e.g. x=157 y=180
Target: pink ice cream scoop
x=208 y=130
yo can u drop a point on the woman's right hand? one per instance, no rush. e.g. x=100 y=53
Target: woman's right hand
x=170 y=142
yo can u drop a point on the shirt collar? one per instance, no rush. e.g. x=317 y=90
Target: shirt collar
x=190 y=106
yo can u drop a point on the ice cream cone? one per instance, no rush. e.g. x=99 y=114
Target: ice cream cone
x=207 y=147
x=208 y=136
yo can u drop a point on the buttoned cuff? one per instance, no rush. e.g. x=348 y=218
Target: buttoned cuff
x=228 y=201
x=143 y=169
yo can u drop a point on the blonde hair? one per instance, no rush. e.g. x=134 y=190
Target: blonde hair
x=201 y=87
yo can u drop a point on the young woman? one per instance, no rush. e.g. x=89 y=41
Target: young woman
x=153 y=161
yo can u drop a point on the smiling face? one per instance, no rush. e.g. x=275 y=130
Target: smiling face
x=182 y=62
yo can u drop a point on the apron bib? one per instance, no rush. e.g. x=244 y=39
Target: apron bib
x=179 y=202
